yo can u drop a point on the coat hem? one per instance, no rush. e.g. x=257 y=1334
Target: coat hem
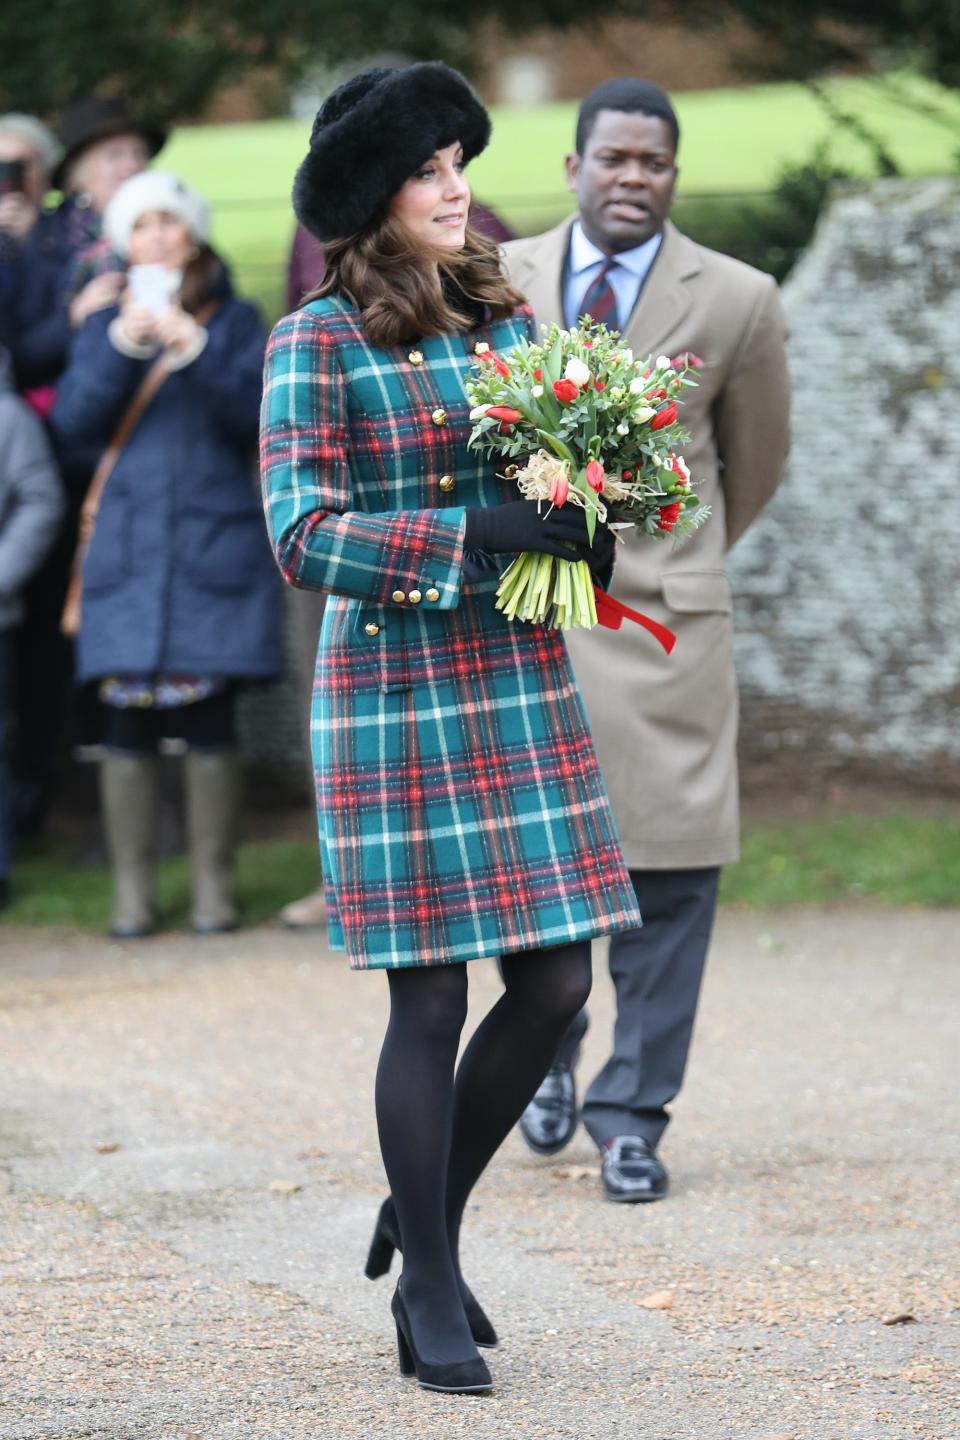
x=495 y=947
x=680 y=854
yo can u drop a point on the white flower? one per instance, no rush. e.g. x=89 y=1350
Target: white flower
x=642 y=414
x=638 y=386
x=481 y=347
x=478 y=412
x=537 y=391
x=684 y=467
x=576 y=371
x=623 y=429
x=663 y=362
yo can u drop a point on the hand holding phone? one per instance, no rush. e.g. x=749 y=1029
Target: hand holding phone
x=153 y=286
x=12 y=173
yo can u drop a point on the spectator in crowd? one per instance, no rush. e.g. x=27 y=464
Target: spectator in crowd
x=179 y=595
x=101 y=145
x=30 y=507
x=28 y=153
x=621 y=260
x=306 y=270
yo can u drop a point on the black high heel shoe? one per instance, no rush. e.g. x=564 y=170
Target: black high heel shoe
x=386 y=1239
x=458 y=1377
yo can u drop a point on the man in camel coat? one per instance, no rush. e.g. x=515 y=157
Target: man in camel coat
x=665 y=727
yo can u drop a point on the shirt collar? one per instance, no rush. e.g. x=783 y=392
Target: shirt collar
x=584 y=254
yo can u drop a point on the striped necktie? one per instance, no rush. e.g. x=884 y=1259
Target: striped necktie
x=600 y=302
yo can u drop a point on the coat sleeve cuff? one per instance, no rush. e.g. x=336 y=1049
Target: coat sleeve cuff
x=180 y=359
x=120 y=342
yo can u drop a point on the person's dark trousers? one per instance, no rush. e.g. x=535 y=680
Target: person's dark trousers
x=43 y=665
x=6 y=807
x=657 y=973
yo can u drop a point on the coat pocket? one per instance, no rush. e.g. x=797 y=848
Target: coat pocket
x=694 y=592
x=379 y=634
x=222 y=545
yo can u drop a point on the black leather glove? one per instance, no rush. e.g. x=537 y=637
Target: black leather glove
x=517 y=525
x=599 y=556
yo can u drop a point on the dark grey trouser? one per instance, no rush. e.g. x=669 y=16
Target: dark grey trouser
x=657 y=973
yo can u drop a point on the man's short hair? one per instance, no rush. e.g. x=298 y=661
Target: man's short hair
x=630 y=94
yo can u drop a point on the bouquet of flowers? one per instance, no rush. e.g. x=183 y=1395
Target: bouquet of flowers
x=589 y=425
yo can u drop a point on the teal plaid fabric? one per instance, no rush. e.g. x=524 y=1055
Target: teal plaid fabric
x=461 y=810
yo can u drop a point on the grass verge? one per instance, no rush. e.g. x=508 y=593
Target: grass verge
x=893 y=860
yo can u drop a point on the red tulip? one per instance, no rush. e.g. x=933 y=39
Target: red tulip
x=599 y=384
x=565 y=391
x=559 y=490
x=505 y=414
x=677 y=467
x=669 y=515
x=666 y=415
x=538 y=374
x=687 y=361
x=501 y=366
x=595 y=476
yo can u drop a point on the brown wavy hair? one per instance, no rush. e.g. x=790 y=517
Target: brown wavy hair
x=402 y=294
x=204 y=280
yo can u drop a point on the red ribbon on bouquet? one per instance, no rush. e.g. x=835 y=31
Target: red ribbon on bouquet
x=612 y=613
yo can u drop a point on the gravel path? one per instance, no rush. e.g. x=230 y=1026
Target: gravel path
x=189 y=1175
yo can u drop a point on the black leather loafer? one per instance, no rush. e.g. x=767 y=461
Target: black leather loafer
x=550 y=1120
x=631 y=1172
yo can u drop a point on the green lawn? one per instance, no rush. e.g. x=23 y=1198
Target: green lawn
x=893 y=860
x=733 y=141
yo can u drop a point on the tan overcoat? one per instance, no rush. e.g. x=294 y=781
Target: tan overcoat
x=665 y=727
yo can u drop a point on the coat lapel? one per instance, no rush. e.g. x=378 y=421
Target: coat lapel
x=539 y=273
x=667 y=296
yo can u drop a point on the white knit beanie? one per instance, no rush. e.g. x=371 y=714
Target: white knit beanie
x=154 y=190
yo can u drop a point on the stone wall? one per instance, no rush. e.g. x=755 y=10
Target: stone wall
x=848 y=588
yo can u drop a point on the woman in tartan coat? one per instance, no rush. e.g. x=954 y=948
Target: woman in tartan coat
x=461 y=810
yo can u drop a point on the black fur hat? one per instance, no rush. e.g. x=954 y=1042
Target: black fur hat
x=372 y=134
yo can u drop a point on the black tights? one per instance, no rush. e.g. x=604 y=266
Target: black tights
x=439 y=1132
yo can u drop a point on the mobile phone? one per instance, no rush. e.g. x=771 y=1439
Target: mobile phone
x=153 y=286
x=11 y=177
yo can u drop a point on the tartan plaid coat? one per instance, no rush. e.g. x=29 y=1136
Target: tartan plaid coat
x=461 y=809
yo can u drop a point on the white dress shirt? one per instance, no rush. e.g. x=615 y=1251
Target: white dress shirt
x=628 y=270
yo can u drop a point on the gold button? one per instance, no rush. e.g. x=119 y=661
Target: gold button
x=439 y=417
x=433 y=594
x=415 y=357
x=371 y=629
x=481 y=348
x=447 y=483
x=414 y=597
x=399 y=596
x=510 y=473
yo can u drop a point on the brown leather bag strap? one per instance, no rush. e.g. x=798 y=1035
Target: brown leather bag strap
x=129 y=421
